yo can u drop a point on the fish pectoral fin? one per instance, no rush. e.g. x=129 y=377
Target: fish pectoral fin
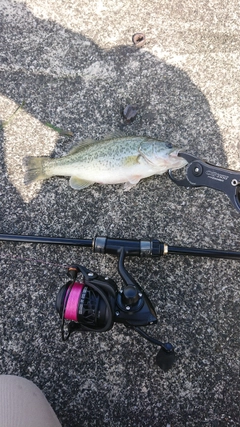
x=142 y=160
x=78 y=183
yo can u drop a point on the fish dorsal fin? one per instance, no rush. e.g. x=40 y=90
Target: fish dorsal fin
x=87 y=142
x=114 y=135
x=81 y=145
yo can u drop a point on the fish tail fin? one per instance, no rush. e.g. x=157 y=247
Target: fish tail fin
x=35 y=170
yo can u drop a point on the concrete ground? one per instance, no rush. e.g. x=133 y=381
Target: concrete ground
x=74 y=65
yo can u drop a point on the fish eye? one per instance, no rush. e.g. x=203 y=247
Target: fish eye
x=169 y=145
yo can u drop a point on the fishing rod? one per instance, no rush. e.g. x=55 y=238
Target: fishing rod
x=132 y=247
x=94 y=303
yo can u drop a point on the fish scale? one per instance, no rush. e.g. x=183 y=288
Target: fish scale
x=114 y=160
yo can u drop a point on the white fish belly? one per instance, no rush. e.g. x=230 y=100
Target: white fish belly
x=102 y=174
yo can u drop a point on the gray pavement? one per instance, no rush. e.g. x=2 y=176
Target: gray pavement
x=74 y=65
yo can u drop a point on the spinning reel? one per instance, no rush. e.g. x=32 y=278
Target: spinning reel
x=95 y=303
x=92 y=303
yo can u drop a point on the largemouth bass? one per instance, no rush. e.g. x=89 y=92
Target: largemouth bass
x=114 y=160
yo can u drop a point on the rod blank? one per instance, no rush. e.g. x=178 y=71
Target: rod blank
x=131 y=247
x=210 y=253
x=46 y=240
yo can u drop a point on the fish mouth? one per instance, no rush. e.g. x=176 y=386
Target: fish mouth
x=174 y=153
